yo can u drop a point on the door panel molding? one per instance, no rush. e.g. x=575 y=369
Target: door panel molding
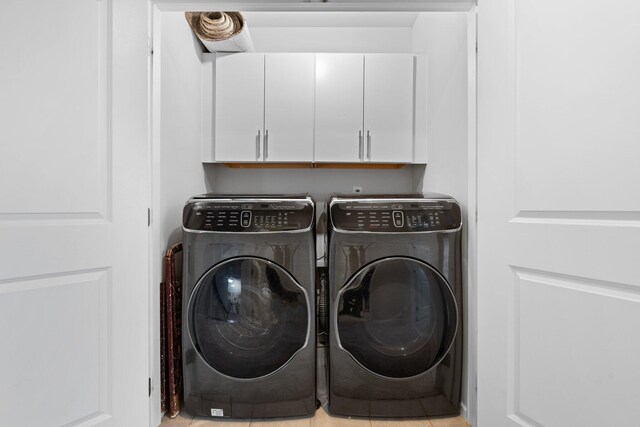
x=52 y=218
x=90 y=196
x=532 y=281
x=105 y=70
x=562 y=105
x=74 y=340
x=595 y=218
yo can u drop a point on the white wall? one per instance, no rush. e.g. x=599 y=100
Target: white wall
x=443 y=38
x=324 y=39
x=177 y=168
x=320 y=183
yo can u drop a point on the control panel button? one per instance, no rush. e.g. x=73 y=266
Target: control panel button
x=246 y=218
x=398 y=219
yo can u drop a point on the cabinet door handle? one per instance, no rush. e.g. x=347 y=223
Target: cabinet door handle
x=368 y=145
x=258 y=146
x=266 y=144
x=360 y=145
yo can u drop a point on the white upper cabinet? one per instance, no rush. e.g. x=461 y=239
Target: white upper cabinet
x=239 y=107
x=339 y=114
x=264 y=107
x=305 y=107
x=388 y=107
x=364 y=108
x=288 y=107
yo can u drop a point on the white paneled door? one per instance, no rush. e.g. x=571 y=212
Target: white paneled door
x=558 y=213
x=73 y=213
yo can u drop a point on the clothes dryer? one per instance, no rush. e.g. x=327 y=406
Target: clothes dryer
x=249 y=306
x=395 y=296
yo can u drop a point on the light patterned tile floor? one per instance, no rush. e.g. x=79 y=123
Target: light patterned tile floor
x=404 y=423
x=320 y=419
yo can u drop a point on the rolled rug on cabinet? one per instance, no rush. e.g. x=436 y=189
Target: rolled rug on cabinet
x=221 y=31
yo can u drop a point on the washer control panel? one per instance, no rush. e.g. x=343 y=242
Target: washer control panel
x=395 y=216
x=252 y=216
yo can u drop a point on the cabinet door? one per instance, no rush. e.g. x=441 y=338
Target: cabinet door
x=388 y=107
x=239 y=106
x=289 y=103
x=339 y=89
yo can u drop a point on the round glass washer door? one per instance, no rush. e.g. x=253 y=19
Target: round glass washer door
x=397 y=317
x=248 y=317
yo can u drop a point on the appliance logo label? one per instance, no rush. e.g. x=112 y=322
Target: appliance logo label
x=217 y=412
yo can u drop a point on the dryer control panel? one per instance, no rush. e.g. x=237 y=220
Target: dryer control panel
x=395 y=216
x=252 y=216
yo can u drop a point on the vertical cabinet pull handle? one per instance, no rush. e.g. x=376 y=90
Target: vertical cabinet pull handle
x=368 y=145
x=266 y=144
x=258 y=146
x=360 y=145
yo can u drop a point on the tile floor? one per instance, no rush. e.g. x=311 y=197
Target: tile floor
x=320 y=419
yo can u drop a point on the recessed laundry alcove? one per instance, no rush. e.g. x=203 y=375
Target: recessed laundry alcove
x=443 y=132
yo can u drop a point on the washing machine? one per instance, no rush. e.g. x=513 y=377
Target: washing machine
x=395 y=304
x=248 y=317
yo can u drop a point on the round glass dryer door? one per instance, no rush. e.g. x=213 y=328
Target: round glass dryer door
x=248 y=317
x=397 y=317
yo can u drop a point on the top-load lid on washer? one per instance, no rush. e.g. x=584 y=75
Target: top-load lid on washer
x=393 y=214
x=248 y=214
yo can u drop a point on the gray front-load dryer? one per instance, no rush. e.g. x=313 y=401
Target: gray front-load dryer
x=248 y=306
x=395 y=289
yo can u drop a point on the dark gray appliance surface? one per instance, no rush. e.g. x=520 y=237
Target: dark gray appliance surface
x=249 y=311
x=395 y=215
x=248 y=214
x=395 y=296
